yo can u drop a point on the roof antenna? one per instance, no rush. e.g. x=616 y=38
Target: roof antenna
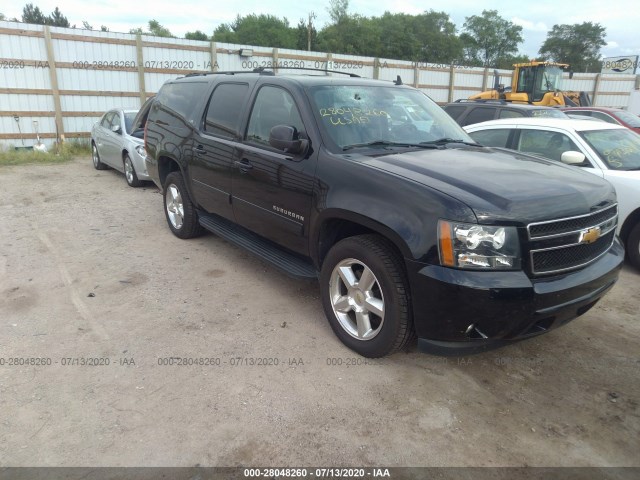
x=398 y=81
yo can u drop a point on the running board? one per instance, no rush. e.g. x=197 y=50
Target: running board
x=287 y=262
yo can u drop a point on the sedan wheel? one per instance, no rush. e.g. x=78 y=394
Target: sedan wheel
x=97 y=164
x=130 y=172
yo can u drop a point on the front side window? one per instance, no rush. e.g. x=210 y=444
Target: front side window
x=618 y=148
x=273 y=106
x=357 y=116
x=128 y=121
x=545 y=143
x=106 y=120
x=116 y=122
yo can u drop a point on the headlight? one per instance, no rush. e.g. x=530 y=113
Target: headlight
x=141 y=151
x=464 y=245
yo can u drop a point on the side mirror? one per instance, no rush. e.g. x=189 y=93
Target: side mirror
x=572 y=158
x=116 y=129
x=285 y=138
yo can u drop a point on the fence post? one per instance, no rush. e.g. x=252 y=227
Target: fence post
x=596 y=87
x=329 y=58
x=141 y=85
x=485 y=79
x=54 y=84
x=275 y=60
x=416 y=76
x=452 y=76
x=214 y=57
x=376 y=68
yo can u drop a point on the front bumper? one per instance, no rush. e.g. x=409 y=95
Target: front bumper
x=460 y=311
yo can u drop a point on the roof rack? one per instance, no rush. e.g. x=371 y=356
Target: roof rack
x=264 y=71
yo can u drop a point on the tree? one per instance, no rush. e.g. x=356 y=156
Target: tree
x=2 y=17
x=197 y=35
x=259 y=30
x=32 y=14
x=306 y=35
x=489 y=38
x=338 y=10
x=436 y=35
x=578 y=45
x=509 y=61
x=158 y=30
x=57 y=19
x=154 y=29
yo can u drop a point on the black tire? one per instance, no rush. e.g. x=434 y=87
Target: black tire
x=179 y=211
x=388 y=332
x=95 y=156
x=130 y=175
x=633 y=246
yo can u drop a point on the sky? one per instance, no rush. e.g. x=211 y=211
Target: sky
x=621 y=18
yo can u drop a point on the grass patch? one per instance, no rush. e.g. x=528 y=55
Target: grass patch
x=58 y=153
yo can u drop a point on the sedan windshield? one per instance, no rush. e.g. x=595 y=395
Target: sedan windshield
x=128 y=120
x=381 y=117
x=618 y=148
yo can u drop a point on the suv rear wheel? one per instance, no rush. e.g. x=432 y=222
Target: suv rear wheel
x=180 y=212
x=365 y=295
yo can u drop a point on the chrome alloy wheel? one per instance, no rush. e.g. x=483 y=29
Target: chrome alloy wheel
x=175 y=207
x=128 y=170
x=356 y=298
x=96 y=158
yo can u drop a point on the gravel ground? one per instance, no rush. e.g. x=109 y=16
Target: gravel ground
x=90 y=273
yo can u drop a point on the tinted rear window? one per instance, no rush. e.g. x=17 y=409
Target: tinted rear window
x=225 y=107
x=182 y=97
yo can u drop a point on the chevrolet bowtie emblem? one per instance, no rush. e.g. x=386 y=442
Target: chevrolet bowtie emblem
x=590 y=235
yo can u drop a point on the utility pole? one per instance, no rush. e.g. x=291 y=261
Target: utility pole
x=309 y=30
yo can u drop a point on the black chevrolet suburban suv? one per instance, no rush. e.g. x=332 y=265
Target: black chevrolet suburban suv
x=411 y=228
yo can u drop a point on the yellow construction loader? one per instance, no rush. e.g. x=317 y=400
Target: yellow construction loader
x=537 y=83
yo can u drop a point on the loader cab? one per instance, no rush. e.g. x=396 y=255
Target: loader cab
x=536 y=80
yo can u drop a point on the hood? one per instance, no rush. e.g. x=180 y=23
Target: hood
x=501 y=185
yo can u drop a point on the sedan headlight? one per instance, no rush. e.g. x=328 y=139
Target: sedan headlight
x=464 y=245
x=141 y=151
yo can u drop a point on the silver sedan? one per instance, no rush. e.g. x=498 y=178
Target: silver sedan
x=113 y=144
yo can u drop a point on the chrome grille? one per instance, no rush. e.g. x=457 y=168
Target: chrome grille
x=570 y=243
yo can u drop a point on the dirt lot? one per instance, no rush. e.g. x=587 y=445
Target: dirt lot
x=89 y=270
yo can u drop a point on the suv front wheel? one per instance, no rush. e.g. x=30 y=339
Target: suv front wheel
x=180 y=212
x=365 y=295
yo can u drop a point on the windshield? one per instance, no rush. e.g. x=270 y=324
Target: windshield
x=548 y=79
x=548 y=112
x=629 y=118
x=128 y=120
x=619 y=148
x=380 y=117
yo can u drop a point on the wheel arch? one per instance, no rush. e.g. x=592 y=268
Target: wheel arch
x=338 y=224
x=632 y=219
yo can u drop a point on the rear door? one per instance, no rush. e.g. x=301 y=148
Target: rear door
x=272 y=189
x=215 y=147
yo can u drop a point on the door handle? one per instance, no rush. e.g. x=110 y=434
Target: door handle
x=200 y=150
x=244 y=165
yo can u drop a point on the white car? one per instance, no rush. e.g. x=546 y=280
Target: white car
x=607 y=150
x=115 y=145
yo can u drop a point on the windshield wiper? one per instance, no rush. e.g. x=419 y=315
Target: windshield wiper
x=445 y=140
x=386 y=143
